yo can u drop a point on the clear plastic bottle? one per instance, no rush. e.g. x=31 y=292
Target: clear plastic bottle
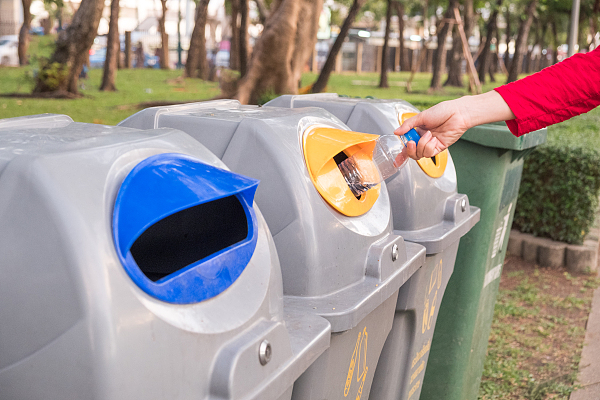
x=363 y=171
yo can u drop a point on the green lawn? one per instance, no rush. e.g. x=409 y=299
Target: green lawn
x=134 y=87
x=146 y=85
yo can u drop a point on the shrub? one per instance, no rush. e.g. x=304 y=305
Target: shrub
x=559 y=192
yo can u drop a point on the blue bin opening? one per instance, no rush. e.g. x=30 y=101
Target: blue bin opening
x=189 y=236
x=184 y=230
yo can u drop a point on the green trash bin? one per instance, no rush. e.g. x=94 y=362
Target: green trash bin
x=489 y=163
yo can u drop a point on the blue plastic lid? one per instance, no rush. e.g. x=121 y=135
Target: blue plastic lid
x=413 y=136
x=164 y=185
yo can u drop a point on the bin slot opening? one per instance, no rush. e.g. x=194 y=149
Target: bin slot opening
x=189 y=236
x=340 y=158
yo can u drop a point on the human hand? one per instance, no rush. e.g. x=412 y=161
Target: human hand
x=443 y=124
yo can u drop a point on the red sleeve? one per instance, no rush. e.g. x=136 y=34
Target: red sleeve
x=554 y=94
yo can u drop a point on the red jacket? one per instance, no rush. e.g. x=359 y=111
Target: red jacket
x=554 y=94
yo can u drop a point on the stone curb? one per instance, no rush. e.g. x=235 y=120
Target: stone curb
x=552 y=254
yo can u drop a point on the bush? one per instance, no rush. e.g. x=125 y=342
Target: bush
x=559 y=192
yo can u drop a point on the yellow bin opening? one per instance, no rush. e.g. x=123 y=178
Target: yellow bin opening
x=434 y=166
x=321 y=146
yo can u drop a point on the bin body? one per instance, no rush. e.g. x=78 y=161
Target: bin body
x=489 y=163
x=427 y=209
x=338 y=267
x=90 y=316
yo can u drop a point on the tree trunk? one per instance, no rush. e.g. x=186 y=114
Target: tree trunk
x=455 y=66
x=529 y=56
x=112 y=49
x=521 y=43
x=263 y=11
x=321 y=82
x=306 y=37
x=507 y=59
x=234 y=48
x=24 y=33
x=71 y=50
x=495 y=64
x=439 y=57
x=243 y=41
x=282 y=50
x=164 y=38
x=484 y=57
x=383 y=81
x=196 y=65
x=455 y=76
x=555 y=41
x=400 y=12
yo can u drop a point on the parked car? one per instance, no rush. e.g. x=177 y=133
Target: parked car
x=9 y=54
x=97 y=57
x=222 y=59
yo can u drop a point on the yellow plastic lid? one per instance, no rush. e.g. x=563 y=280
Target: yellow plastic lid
x=434 y=166
x=321 y=145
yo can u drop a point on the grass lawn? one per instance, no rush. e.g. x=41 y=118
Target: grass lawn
x=537 y=334
x=135 y=86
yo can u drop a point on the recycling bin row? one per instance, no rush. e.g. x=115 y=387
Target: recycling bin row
x=214 y=250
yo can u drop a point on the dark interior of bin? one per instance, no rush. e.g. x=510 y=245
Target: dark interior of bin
x=340 y=158
x=189 y=236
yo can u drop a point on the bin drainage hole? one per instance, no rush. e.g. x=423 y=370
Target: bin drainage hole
x=189 y=236
x=434 y=160
x=340 y=158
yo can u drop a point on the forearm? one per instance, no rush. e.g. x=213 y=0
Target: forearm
x=485 y=108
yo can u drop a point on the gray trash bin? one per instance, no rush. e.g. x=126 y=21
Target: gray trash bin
x=338 y=254
x=427 y=210
x=134 y=265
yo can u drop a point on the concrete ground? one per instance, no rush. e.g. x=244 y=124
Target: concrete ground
x=589 y=366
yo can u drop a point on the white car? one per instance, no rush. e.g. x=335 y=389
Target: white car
x=9 y=54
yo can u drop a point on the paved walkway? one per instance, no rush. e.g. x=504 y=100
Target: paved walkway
x=589 y=366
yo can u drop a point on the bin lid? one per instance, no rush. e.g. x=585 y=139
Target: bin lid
x=165 y=185
x=498 y=135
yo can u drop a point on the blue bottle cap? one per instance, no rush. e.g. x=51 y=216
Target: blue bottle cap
x=412 y=135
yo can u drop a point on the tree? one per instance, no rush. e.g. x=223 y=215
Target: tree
x=24 y=32
x=61 y=73
x=456 y=53
x=164 y=38
x=323 y=78
x=113 y=48
x=263 y=11
x=196 y=64
x=400 y=12
x=234 y=49
x=383 y=80
x=508 y=34
x=439 y=57
x=521 y=42
x=243 y=39
x=282 y=51
x=484 y=57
